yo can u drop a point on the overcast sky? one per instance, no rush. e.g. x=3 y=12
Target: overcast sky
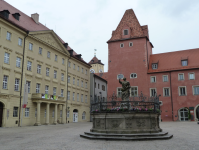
x=87 y=24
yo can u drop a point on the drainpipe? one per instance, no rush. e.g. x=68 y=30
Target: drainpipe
x=171 y=97
x=22 y=79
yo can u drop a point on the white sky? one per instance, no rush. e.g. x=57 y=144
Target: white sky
x=87 y=24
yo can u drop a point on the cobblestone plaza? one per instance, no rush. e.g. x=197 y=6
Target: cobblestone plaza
x=66 y=137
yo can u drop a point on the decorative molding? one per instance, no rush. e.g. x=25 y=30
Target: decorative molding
x=16 y=71
x=48 y=65
x=30 y=75
x=55 y=81
x=63 y=70
x=47 y=79
x=5 y=96
x=40 y=61
x=55 y=67
x=30 y=58
x=10 y=50
x=19 y=53
x=5 y=68
x=38 y=77
x=62 y=83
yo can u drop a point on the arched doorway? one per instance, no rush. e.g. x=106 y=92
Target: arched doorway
x=1 y=113
x=183 y=114
x=75 y=115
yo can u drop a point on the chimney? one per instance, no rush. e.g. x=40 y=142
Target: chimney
x=35 y=17
x=65 y=45
x=71 y=52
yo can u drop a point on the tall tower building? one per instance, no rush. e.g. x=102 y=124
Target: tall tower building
x=97 y=65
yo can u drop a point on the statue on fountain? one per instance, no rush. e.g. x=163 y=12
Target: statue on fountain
x=125 y=89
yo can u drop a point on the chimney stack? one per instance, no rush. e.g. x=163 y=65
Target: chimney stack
x=35 y=17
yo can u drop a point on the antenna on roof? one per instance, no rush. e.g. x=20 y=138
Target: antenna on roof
x=95 y=52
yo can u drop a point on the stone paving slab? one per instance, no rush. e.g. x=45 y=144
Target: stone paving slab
x=66 y=137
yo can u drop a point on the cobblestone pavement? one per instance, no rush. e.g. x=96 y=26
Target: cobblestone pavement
x=66 y=137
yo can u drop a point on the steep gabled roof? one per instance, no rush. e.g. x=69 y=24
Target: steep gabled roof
x=130 y=20
x=103 y=75
x=95 y=60
x=172 y=61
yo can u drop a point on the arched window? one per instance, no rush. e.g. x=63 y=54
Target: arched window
x=92 y=71
x=183 y=114
x=84 y=115
x=120 y=76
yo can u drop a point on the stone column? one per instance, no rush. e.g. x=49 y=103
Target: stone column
x=63 y=114
x=47 y=113
x=55 y=117
x=38 y=114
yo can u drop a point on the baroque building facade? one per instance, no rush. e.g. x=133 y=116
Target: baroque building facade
x=173 y=75
x=35 y=56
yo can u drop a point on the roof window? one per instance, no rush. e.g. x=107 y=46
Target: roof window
x=184 y=62
x=126 y=32
x=155 y=66
x=5 y=13
x=16 y=16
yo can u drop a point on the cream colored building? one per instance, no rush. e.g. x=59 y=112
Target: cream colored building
x=32 y=54
x=97 y=65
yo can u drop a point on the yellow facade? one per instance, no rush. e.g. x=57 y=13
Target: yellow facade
x=97 y=67
x=35 y=51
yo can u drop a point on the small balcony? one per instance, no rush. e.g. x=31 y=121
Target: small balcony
x=42 y=96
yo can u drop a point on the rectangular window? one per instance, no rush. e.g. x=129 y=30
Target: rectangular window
x=77 y=82
x=48 y=54
x=18 y=62
x=86 y=71
x=55 y=57
x=28 y=83
x=77 y=96
x=196 y=90
x=69 y=64
x=119 y=92
x=62 y=92
x=55 y=74
x=68 y=79
x=85 y=98
x=153 y=79
x=182 y=91
x=37 y=88
x=181 y=76
x=154 y=66
x=191 y=76
x=68 y=95
x=82 y=84
x=19 y=41
x=29 y=65
x=47 y=71
x=134 y=91
x=165 y=78
x=86 y=85
x=16 y=84
x=166 y=92
x=63 y=61
x=27 y=112
x=53 y=113
x=30 y=46
x=73 y=96
x=74 y=81
x=5 y=82
x=40 y=50
x=73 y=66
x=126 y=32
x=98 y=86
x=78 y=68
x=153 y=92
x=6 y=58
x=184 y=63
x=15 y=112
x=82 y=98
x=62 y=76
x=46 y=89
x=54 y=90
x=8 y=37
x=39 y=69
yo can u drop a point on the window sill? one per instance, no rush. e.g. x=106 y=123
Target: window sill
x=182 y=95
x=16 y=91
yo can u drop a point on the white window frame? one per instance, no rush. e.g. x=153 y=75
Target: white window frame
x=53 y=114
x=55 y=74
x=131 y=90
x=5 y=82
x=69 y=64
x=165 y=76
x=17 y=84
x=119 y=95
x=164 y=91
x=47 y=71
x=40 y=50
x=193 y=89
x=179 y=90
x=124 y=32
x=8 y=36
x=29 y=66
x=46 y=89
x=86 y=85
x=182 y=62
x=151 y=91
x=29 y=84
x=73 y=80
x=82 y=83
x=85 y=98
x=84 y=115
x=6 y=58
x=68 y=114
x=179 y=76
x=62 y=76
x=48 y=54
x=68 y=95
x=82 y=100
x=15 y=111
x=130 y=44
x=55 y=57
x=193 y=75
x=20 y=41
x=18 y=62
x=133 y=77
x=78 y=97
x=38 y=85
x=38 y=69
x=160 y=103
x=73 y=96
x=154 y=66
x=121 y=45
x=54 y=90
x=86 y=71
x=154 y=78
x=62 y=92
x=30 y=46
x=27 y=112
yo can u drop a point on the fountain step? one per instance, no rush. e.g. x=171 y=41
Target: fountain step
x=122 y=137
x=125 y=135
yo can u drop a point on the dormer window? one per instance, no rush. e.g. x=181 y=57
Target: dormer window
x=5 y=13
x=92 y=60
x=126 y=32
x=184 y=62
x=154 y=66
x=16 y=16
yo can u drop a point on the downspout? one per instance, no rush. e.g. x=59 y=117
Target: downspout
x=171 y=97
x=22 y=79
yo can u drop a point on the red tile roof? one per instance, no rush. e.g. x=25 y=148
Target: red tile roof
x=95 y=60
x=172 y=61
x=103 y=75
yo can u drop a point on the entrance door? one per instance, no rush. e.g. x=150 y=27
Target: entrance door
x=1 y=113
x=75 y=117
x=197 y=113
x=184 y=115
